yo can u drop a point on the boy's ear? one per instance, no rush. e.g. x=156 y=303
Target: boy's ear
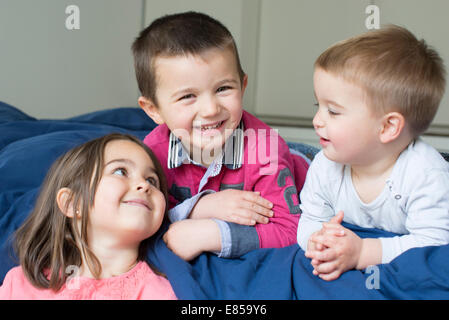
x=392 y=126
x=62 y=197
x=150 y=109
x=245 y=83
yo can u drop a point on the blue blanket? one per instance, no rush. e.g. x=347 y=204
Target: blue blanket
x=28 y=146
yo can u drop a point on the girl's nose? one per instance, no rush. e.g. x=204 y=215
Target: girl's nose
x=143 y=186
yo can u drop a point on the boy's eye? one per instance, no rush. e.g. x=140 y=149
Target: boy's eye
x=187 y=96
x=223 y=88
x=332 y=112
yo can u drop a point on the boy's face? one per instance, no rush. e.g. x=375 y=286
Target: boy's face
x=199 y=97
x=348 y=129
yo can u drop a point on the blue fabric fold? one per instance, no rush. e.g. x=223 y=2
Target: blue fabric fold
x=28 y=146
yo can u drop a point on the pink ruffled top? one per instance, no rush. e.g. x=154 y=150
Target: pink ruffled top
x=140 y=283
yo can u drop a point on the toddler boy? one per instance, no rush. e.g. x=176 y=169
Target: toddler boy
x=376 y=94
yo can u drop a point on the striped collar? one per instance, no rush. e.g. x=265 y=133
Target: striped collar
x=232 y=157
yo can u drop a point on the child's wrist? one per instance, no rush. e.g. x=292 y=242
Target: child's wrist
x=197 y=212
x=370 y=253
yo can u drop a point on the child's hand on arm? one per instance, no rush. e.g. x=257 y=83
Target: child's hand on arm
x=237 y=206
x=191 y=237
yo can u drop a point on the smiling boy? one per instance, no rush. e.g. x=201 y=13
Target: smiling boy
x=231 y=178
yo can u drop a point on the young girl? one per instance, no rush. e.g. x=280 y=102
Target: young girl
x=88 y=233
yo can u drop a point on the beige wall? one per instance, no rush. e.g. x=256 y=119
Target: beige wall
x=51 y=72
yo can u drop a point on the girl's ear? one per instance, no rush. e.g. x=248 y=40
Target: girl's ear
x=392 y=126
x=62 y=197
x=150 y=109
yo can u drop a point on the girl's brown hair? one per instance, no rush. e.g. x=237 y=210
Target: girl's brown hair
x=49 y=242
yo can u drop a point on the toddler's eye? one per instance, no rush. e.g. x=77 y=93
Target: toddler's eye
x=332 y=112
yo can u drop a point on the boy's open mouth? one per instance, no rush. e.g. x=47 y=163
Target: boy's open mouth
x=211 y=126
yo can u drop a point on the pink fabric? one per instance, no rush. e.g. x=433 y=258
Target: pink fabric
x=140 y=283
x=276 y=186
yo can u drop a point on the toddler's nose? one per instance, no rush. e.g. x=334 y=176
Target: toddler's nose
x=317 y=122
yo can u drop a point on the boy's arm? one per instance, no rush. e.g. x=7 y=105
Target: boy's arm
x=315 y=207
x=427 y=215
x=191 y=237
x=182 y=210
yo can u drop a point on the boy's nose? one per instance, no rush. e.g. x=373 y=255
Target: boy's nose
x=210 y=108
x=317 y=122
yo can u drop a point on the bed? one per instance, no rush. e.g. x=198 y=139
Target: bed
x=28 y=146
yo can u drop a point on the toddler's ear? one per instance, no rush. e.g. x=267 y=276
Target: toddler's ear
x=150 y=109
x=63 y=197
x=392 y=126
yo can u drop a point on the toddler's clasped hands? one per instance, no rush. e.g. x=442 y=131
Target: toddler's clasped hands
x=333 y=249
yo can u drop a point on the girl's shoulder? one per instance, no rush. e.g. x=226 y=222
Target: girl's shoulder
x=16 y=286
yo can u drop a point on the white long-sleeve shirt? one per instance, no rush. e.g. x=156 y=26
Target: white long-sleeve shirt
x=414 y=202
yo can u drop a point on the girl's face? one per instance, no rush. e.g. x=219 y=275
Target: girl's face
x=128 y=205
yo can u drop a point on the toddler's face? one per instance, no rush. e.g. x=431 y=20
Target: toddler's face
x=347 y=128
x=128 y=205
x=200 y=97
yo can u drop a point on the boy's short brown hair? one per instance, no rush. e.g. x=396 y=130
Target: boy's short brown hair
x=177 y=35
x=397 y=71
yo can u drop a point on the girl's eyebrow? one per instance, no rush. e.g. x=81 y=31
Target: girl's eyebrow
x=130 y=162
x=127 y=161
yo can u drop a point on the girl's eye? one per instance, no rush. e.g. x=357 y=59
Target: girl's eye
x=153 y=181
x=332 y=112
x=120 y=172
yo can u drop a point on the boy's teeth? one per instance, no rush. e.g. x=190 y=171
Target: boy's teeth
x=210 y=127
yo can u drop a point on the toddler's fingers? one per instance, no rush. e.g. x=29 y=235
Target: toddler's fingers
x=325 y=240
x=326 y=267
x=323 y=256
x=333 y=229
x=330 y=276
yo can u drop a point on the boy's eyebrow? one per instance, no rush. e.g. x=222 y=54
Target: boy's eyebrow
x=227 y=81
x=182 y=91
x=335 y=104
x=329 y=101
